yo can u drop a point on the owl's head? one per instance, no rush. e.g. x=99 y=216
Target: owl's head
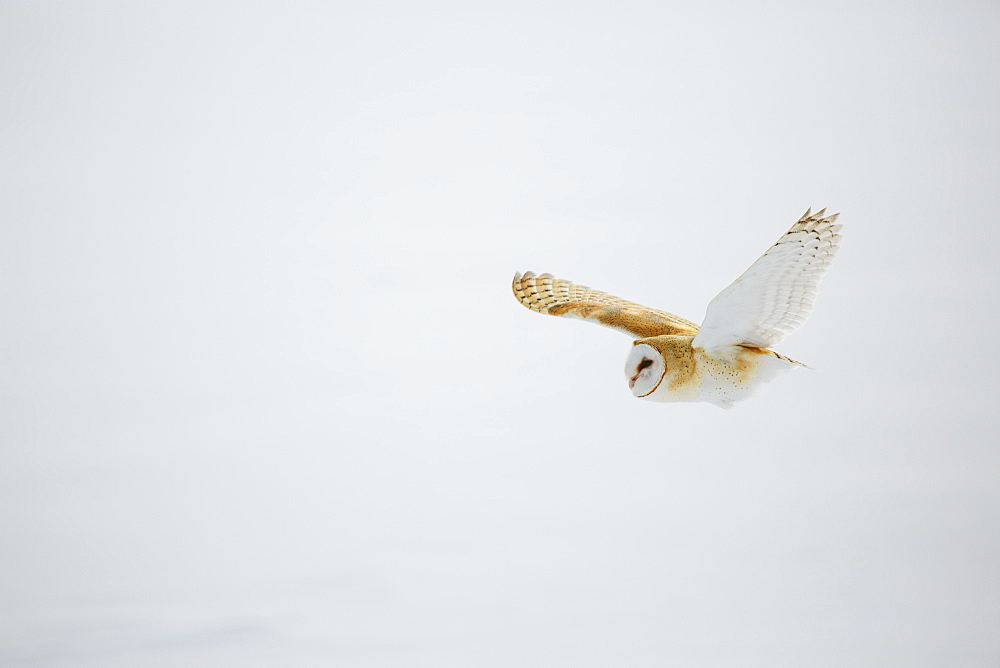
x=644 y=369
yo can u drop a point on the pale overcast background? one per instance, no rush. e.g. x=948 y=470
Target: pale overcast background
x=267 y=399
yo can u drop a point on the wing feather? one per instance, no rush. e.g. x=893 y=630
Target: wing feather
x=775 y=296
x=555 y=296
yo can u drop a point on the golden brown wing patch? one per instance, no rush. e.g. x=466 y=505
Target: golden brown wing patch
x=556 y=296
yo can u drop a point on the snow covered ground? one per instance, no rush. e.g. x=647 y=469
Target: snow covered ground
x=266 y=398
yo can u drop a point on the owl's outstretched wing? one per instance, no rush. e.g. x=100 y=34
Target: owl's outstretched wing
x=556 y=296
x=776 y=294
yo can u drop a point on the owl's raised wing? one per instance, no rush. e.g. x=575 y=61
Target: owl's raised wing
x=556 y=296
x=776 y=294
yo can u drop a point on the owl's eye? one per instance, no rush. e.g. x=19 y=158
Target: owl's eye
x=644 y=364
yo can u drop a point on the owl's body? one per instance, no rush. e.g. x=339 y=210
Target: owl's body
x=729 y=356
x=723 y=378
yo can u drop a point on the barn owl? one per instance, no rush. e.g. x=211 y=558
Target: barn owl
x=729 y=356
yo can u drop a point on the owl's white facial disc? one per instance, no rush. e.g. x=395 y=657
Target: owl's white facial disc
x=644 y=369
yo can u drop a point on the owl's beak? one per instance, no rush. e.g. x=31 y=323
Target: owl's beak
x=631 y=381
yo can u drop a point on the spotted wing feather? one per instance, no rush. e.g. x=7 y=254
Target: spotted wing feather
x=555 y=296
x=775 y=296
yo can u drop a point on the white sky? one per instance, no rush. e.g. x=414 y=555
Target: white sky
x=267 y=398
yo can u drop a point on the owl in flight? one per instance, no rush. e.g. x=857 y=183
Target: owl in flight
x=729 y=356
